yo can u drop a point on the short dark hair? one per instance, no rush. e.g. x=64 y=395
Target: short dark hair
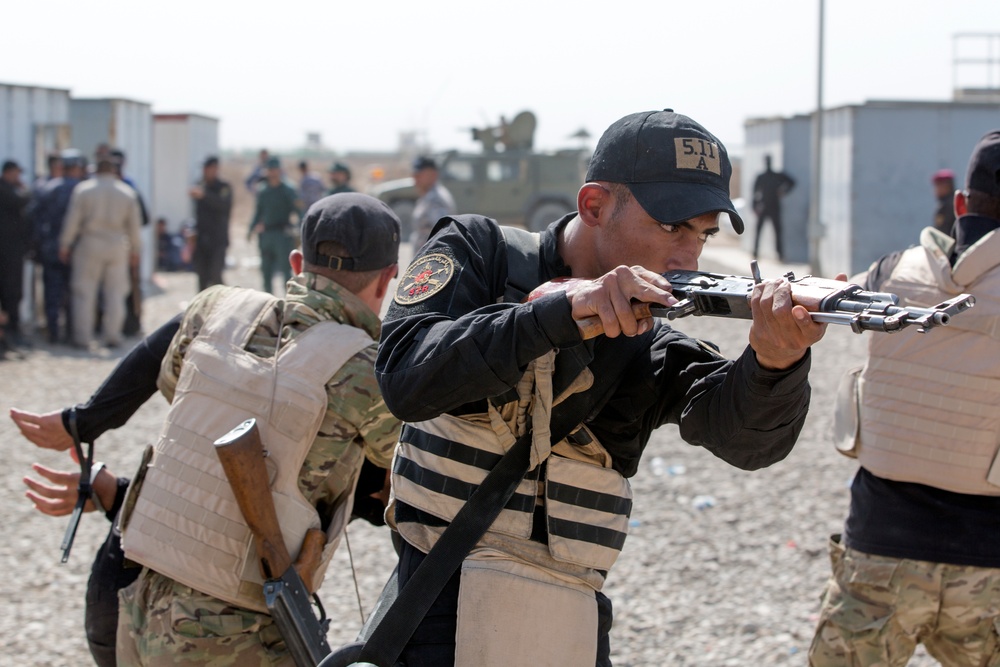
x=621 y=195
x=354 y=281
x=980 y=203
x=10 y=164
x=107 y=165
x=210 y=161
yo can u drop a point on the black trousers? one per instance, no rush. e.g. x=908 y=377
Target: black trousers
x=775 y=218
x=433 y=642
x=208 y=262
x=108 y=575
x=12 y=287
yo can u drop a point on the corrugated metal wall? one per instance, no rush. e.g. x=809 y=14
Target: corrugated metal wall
x=32 y=123
x=181 y=142
x=877 y=162
x=878 y=159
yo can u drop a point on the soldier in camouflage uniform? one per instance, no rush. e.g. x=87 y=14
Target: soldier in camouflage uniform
x=360 y=236
x=919 y=558
x=161 y=620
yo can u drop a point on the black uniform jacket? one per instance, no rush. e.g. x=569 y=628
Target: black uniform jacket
x=460 y=347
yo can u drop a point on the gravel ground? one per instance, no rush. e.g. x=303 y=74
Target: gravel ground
x=722 y=567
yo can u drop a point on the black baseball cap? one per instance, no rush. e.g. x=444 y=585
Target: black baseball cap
x=365 y=226
x=424 y=162
x=984 y=166
x=674 y=167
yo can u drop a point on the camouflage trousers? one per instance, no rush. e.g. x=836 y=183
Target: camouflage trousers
x=877 y=609
x=162 y=622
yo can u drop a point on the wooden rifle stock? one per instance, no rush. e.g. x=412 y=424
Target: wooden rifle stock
x=242 y=455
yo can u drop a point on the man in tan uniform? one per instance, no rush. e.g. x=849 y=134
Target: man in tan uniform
x=101 y=234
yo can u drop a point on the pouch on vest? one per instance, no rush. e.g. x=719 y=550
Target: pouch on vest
x=847 y=413
x=993 y=476
x=134 y=487
x=510 y=613
x=587 y=509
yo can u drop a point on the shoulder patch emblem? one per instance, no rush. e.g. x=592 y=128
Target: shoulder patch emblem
x=426 y=277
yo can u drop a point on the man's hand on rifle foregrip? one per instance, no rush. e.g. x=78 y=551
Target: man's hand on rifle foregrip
x=781 y=331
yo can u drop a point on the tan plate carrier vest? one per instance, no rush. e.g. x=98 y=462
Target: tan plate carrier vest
x=185 y=523
x=926 y=407
x=438 y=464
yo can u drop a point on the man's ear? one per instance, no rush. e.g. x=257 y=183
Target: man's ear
x=592 y=202
x=384 y=278
x=961 y=204
x=295 y=259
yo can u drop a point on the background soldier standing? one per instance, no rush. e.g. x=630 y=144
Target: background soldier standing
x=272 y=222
x=434 y=203
x=768 y=189
x=102 y=234
x=213 y=203
x=944 y=192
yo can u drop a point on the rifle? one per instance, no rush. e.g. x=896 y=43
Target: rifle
x=285 y=591
x=829 y=301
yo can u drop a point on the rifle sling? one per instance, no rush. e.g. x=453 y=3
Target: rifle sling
x=400 y=620
x=83 y=489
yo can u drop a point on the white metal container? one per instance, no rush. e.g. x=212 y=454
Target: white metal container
x=181 y=142
x=877 y=163
x=33 y=121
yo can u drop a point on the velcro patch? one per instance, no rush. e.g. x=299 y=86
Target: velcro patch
x=424 y=278
x=695 y=153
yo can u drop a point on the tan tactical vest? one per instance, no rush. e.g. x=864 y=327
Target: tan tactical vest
x=439 y=463
x=930 y=403
x=185 y=523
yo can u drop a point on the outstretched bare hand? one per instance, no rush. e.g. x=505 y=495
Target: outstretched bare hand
x=46 y=431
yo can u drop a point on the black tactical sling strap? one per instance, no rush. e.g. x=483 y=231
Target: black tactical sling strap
x=399 y=621
x=83 y=489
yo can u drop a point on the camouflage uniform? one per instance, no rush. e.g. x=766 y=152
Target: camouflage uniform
x=162 y=622
x=876 y=609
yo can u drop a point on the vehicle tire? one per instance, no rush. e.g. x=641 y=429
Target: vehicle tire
x=403 y=208
x=546 y=212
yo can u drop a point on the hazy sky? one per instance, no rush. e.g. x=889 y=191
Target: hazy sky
x=359 y=73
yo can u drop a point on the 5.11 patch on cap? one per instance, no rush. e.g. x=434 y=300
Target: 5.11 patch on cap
x=424 y=278
x=696 y=153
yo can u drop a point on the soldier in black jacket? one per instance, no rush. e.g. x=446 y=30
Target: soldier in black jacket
x=213 y=202
x=461 y=360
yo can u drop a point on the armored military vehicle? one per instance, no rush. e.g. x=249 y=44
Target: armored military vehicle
x=508 y=180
